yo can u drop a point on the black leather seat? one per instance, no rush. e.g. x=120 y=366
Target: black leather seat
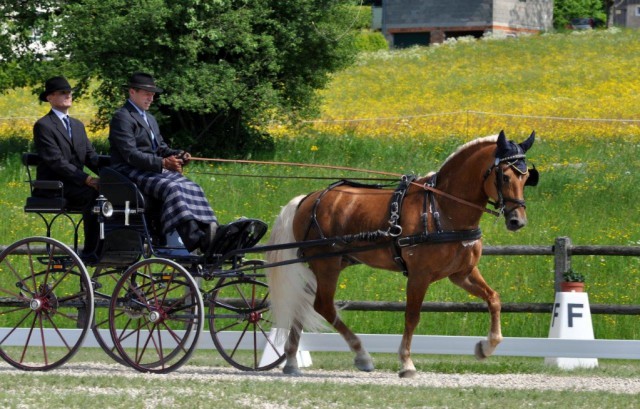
x=53 y=200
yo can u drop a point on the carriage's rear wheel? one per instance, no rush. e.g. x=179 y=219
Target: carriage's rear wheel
x=47 y=303
x=156 y=316
x=240 y=322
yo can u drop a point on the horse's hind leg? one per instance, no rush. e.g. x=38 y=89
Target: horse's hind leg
x=291 y=350
x=475 y=285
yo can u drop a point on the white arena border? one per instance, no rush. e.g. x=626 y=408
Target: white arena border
x=422 y=344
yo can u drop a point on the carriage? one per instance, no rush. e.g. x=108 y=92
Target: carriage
x=147 y=300
x=144 y=297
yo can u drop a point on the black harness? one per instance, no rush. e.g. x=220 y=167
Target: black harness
x=509 y=153
x=425 y=237
x=394 y=232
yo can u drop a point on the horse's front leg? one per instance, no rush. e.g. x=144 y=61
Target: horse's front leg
x=291 y=350
x=416 y=291
x=324 y=305
x=362 y=360
x=475 y=285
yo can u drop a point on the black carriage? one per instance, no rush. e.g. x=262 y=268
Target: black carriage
x=146 y=300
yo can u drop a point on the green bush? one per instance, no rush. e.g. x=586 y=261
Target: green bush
x=370 y=41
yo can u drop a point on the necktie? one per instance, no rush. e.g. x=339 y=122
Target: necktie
x=154 y=143
x=68 y=123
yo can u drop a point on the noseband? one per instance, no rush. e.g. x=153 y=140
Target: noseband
x=502 y=201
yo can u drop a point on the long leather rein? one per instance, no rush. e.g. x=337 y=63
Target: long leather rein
x=311 y=165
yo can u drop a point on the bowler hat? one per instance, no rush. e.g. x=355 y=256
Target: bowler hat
x=54 y=84
x=143 y=81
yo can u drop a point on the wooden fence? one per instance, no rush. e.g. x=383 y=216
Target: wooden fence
x=562 y=251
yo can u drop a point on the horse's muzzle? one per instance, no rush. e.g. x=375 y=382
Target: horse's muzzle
x=515 y=220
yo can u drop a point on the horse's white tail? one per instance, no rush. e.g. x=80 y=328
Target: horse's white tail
x=292 y=287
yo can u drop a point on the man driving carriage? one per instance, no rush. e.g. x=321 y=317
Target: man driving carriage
x=139 y=151
x=63 y=145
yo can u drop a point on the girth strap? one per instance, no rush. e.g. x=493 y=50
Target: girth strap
x=439 y=237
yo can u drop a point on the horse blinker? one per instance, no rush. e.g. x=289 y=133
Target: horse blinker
x=534 y=176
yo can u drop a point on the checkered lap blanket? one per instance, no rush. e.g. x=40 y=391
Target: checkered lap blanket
x=182 y=199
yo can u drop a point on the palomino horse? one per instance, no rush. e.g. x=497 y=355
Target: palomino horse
x=427 y=228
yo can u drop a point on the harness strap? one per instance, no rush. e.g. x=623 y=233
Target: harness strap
x=395 y=208
x=439 y=237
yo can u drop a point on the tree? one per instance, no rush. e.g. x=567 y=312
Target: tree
x=227 y=66
x=565 y=10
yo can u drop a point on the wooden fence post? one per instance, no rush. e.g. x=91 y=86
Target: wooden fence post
x=562 y=259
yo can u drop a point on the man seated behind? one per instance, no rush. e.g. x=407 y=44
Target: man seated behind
x=63 y=145
x=139 y=151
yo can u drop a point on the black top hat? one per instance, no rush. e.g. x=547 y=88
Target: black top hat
x=54 y=84
x=143 y=81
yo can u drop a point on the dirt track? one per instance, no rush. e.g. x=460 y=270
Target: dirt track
x=425 y=379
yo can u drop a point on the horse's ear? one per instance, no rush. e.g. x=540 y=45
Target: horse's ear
x=502 y=142
x=529 y=142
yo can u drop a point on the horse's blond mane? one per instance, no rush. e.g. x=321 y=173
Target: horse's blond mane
x=485 y=139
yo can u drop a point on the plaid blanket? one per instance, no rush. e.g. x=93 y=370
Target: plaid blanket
x=182 y=199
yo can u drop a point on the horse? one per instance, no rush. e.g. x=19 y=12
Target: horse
x=427 y=228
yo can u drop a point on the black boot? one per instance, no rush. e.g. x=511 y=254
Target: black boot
x=191 y=234
x=209 y=238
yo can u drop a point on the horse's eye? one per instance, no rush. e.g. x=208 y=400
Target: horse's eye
x=505 y=178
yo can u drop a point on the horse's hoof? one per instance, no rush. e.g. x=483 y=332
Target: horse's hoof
x=291 y=370
x=480 y=355
x=408 y=374
x=365 y=365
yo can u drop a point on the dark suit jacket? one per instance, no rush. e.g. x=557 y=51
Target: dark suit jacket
x=130 y=140
x=63 y=159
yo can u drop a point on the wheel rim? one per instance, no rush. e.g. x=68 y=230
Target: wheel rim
x=48 y=304
x=156 y=316
x=241 y=326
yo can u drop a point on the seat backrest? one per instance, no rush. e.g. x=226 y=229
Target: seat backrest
x=50 y=196
x=118 y=189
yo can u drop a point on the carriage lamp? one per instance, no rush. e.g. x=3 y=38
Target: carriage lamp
x=104 y=209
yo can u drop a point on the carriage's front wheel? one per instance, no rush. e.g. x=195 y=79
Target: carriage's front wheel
x=47 y=303
x=240 y=322
x=156 y=316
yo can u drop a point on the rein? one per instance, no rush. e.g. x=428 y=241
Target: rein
x=310 y=165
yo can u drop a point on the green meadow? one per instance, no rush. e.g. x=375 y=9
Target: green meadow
x=414 y=107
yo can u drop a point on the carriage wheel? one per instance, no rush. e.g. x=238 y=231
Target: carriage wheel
x=104 y=281
x=240 y=323
x=46 y=303
x=156 y=316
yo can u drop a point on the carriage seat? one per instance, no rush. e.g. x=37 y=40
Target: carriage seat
x=55 y=201
x=119 y=189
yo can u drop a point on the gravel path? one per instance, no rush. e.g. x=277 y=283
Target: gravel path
x=437 y=380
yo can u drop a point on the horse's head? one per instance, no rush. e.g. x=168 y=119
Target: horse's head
x=505 y=180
